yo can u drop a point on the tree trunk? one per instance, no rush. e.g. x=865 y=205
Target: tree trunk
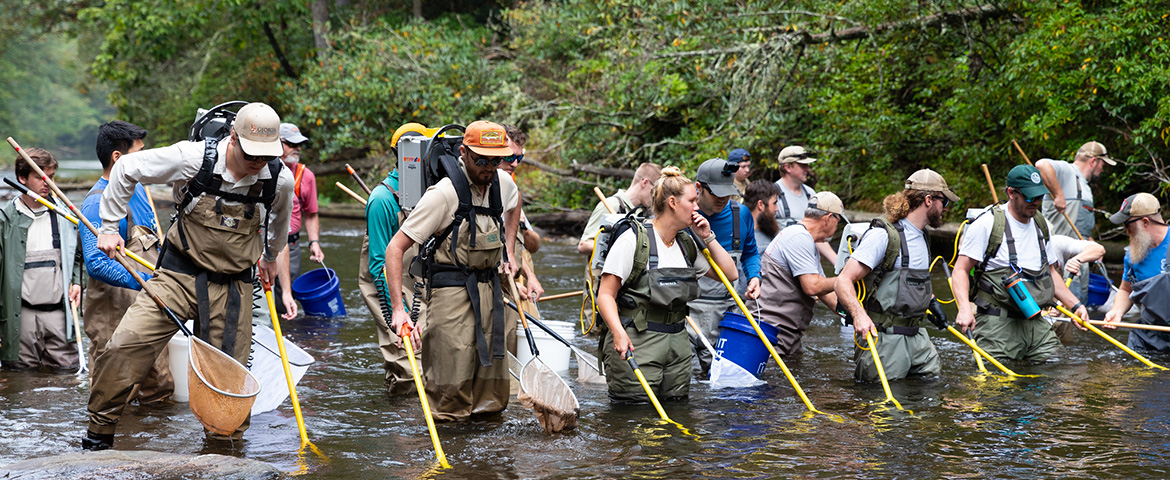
x=418 y=9
x=321 y=28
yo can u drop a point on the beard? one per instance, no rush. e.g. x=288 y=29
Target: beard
x=768 y=224
x=292 y=158
x=1140 y=244
x=934 y=218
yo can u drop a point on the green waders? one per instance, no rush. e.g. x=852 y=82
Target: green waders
x=44 y=330
x=897 y=306
x=653 y=309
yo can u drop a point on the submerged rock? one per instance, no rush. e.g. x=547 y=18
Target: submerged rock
x=136 y=464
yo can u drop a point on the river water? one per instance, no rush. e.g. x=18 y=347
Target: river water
x=1093 y=413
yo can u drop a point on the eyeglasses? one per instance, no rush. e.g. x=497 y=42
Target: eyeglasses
x=1132 y=220
x=513 y=158
x=292 y=145
x=1032 y=199
x=257 y=158
x=945 y=201
x=483 y=161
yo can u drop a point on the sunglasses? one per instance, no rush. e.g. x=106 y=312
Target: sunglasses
x=292 y=145
x=1132 y=220
x=257 y=158
x=945 y=201
x=1032 y=199
x=483 y=161
x=513 y=158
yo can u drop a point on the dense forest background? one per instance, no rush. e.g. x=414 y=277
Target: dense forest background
x=878 y=88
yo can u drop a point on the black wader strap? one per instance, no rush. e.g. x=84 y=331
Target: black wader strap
x=56 y=230
x=652 y=261
x=481 y=345
x=735 y=240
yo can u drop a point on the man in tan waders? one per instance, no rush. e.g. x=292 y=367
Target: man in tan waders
x=111 y=289
x=462 y=219
x=229 y=191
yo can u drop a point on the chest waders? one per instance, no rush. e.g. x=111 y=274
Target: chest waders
x=991 y=296
x=785 y=219
x=656 y=299
x=900 y=294
x=41 y=288
x=785 y=306
x=216 y=241
x=467 y=254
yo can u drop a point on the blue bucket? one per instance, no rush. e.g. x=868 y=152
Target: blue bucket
x=1098 y=290
x=319 y=293
x=739 y=342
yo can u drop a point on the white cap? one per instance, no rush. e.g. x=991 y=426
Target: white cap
x=258 y=127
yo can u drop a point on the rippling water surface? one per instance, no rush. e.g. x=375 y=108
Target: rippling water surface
x=1093 y=413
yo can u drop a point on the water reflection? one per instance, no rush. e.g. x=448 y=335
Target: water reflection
x=1095 y=414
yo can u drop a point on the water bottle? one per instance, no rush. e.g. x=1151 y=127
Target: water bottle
x=1020 y=295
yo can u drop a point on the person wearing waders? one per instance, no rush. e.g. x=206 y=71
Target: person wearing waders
x=735 y=229
x=649 y=276
x=795 y=166
x=1071 y=193
x=41 y=267
x=1145 y=280
x=111 y=289
x=527 y=237
x=1009 y=250
x=233 y=204
x=304 y=214
x=467 y=235
x=623 y=202
x=793 y=275
x=892 y=260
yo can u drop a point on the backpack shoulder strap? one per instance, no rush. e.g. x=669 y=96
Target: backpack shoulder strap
x=736 y=243
x=995 y=240
x=645 y=250
x=690 y=249
x=892 y=246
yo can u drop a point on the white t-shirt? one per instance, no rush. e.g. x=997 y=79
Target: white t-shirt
x=1066 y=248
x=871 y=250
x=977 y=234
x=40 y=233
x=620 y=260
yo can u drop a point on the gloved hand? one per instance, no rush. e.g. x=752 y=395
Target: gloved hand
x=936 y=314
x=846 y=317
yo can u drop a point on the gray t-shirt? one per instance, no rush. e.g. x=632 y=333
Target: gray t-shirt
x=977 y=234
x=797 y=202
x=794 y=249
x=1069 y=176
x=872 y=248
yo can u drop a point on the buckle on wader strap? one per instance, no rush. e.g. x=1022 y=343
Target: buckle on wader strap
x=174 y=260
x=984 y=307
x=655 y=326
x=468 y=279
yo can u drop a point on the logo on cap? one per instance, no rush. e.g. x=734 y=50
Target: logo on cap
x=265 y=131
x=492 y=138
x=1035 y=178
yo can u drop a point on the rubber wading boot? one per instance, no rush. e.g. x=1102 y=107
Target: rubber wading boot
x=97 y=441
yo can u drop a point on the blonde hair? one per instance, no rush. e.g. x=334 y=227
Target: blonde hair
x=647 y=171
x=899 y=205
x=672 y=183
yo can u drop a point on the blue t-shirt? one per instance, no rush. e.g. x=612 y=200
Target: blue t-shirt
x=722 y=227
x=100 y=266
x=1152 y=265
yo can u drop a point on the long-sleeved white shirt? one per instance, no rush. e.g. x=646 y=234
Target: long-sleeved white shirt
x=179 y=163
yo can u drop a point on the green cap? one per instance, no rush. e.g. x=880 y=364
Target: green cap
x=1026 y=179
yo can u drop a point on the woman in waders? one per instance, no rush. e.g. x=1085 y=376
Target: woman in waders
x=650 y=274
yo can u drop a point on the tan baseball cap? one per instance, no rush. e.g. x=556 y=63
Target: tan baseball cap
x=1096 y=150
x=258 y=127
x=1136 y=206
x=795 y=154
x=487 y=138
x=928 y=180
x=829 y=202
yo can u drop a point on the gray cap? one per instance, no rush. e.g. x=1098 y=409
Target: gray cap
x=716 y=178
x=291 y=134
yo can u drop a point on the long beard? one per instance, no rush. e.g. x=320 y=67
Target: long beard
x=1140 y=244
x=768 y=225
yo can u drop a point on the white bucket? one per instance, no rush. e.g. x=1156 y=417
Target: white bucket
x=177 y=355
x=554 y=353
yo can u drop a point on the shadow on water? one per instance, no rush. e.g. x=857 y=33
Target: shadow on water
x=1094 y=413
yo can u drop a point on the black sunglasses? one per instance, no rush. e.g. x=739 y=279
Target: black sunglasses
x=945 y=201
x=483 y=161
x=257 y=158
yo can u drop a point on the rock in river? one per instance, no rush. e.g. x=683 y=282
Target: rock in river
x=118 y=464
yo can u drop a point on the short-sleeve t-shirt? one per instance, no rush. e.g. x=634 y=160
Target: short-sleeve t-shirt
x=871 y=250
x=1066 y=248
x=977 y=234
x=794 y=249
x=1154 y=263
x=1069 y=176
x=436 y=209
x=797 y=202
x=620 y=260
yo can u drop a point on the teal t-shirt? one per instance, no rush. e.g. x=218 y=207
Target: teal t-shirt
x=382 y=221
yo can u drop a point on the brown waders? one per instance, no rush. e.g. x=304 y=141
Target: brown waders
x=105 y=305
x=204 y=272
x=399 y=378
x=784 y=305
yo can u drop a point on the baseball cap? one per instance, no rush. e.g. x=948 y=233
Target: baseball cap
x=1026 y=179
x=714 y=178
x=739 y=155
x=487 y=138
x=258 y=127
x=828 y=202
x=795 y=154
x=1134 y=206
x=928 y=180
x=1096 y=150
x=291 y=134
